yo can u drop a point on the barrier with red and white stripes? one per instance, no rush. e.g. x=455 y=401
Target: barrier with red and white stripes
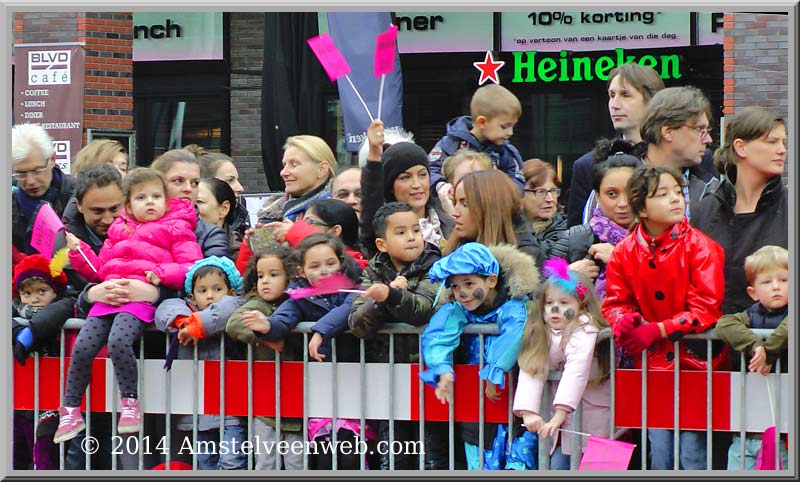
x=404 y=400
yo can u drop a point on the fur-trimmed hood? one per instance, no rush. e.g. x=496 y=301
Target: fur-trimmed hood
x=519 y=270
x=519 y=273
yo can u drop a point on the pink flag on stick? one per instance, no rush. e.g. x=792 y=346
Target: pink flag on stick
x=45 y=228
x=606 y=454
x=323 y=286
x=329 y=56
x=766 y=455
x=384 y=51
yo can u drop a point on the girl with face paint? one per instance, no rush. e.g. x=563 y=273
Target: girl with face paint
x=561 y=333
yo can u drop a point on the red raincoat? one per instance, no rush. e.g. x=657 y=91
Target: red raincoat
x=677 y=279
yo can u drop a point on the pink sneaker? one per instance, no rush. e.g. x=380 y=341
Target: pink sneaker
x=130 y=418
x=70 y=424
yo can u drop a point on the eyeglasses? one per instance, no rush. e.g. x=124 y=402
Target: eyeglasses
x=33 y=172
x=542 y=193
x=703 y=131
x=315 y=222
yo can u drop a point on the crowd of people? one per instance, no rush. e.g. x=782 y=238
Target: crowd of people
x=660 y=238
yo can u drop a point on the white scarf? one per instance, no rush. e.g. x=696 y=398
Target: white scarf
x=431 y=227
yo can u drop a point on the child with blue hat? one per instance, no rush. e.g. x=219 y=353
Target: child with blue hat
x=212 y=286
x=487 y=285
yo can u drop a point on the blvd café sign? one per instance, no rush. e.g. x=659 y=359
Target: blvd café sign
x=533 y=67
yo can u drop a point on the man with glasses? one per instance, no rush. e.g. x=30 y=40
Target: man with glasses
x=630 y=90
x=36 y=179
x=677 y=128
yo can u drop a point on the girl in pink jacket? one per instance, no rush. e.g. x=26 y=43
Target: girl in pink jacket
x=152 y=240
x=560 y=335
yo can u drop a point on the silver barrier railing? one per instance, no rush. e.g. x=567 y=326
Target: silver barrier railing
x=391 y=330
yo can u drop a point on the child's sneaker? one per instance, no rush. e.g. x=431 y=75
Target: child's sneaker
x=130 y=418
x=70 y=424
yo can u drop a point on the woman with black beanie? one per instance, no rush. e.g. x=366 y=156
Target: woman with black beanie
x=400 y=173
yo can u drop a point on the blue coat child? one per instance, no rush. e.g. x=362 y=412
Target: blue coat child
x=498 y=292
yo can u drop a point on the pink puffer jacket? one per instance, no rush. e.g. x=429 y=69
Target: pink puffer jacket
x=168 y=247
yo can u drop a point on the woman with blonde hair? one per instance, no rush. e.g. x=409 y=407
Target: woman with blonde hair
x=309 y=167
x=102 y=151
x=461 y=163
x=488 y=211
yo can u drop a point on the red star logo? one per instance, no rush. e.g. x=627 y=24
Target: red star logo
x=488 y=69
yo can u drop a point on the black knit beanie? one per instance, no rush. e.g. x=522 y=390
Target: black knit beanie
x=396 y=160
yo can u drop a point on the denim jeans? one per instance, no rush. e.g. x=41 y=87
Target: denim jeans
x=751 y=447
x=692 y=449
x=559 y=460
x=276 y=460
x=233 y=459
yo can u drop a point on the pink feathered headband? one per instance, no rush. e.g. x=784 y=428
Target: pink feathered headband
x=557 y=270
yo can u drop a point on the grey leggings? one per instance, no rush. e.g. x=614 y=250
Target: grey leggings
x=121 y=331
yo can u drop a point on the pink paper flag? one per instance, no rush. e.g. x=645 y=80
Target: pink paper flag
x=329 y=56
x=323 y=286
x=45 y=228
x=766 y=455
x=384 y=51
x=606 y=454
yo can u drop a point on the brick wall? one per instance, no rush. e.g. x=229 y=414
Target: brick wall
x=108 y=93
x=756 y=63
x=45 y=27
x=247 y=56
x=108 y=68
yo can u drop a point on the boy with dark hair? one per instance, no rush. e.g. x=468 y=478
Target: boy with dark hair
x=397 y=291
x=494 y=111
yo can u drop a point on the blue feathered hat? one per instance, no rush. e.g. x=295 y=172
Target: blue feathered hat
x=224 y=264
x=470 y=258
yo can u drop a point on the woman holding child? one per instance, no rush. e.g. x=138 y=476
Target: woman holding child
x=181 y=172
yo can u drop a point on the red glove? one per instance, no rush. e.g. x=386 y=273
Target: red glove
x=640 y=338
x=625 y=324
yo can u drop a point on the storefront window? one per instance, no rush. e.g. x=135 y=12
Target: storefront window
x=334 y=132
x=170 y=124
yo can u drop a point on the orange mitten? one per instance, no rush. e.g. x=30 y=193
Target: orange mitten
x=194 y=326
x=181 y=321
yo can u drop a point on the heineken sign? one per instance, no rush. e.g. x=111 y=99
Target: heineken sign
x=533 y=66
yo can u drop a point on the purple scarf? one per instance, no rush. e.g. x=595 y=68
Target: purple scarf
x=606 y=231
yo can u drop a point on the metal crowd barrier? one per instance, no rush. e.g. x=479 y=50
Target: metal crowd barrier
x=391 y=330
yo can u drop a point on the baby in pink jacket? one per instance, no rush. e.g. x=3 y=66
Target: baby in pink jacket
x=561 y=334
x=152 y=240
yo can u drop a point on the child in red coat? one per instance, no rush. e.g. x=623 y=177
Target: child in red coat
x=663 y=281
